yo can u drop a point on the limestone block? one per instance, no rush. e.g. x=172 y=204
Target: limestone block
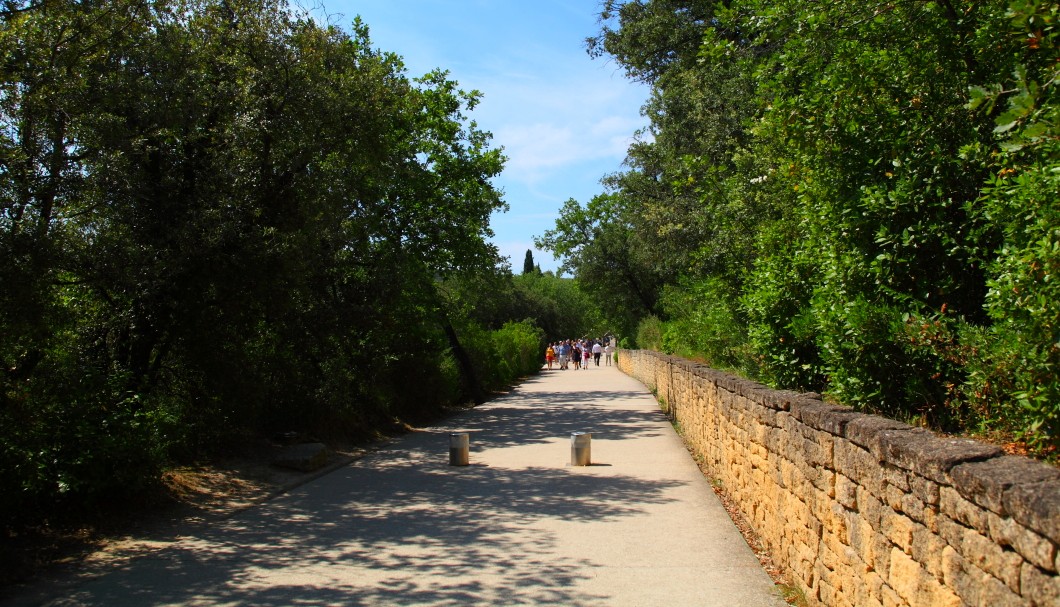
x=826 y=593
x=306 y=457
x=893 y=497
x=807 y=560
x=832 y=421
x=895 y=477
x=986 y=482
x=824 y=480
x=926 y=549
x=851 y=460
x=823 y=574
x=866 y=601
x=828 y=553
x=811 y=411
x=928 y=455
x=827 y=444
x=918 y=510
x=898 y=528
x=951 y=531
x=1037 y=506
x=986 y=555
x=760 y=435
x=861 y=536
x=890 y=598
x=858 y=464
x=778 y=400
x=916 y=586
x=863 y=429
x=1031 y=546
x=1039 y=588
x=997 y=594
x=846 y=492
x=836 y=522
x=881 y=553
x=800 y=535
x=961 y=576
x=870 y=590
x=926 y=490
x=804 y=451
x=959 y=509
x=870 y=507
x=793 y=478
x=816 y=529
x=850 y=569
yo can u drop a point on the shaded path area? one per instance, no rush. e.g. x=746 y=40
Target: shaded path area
x=519 y=526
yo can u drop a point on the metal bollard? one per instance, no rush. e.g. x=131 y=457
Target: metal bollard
x=580 y=447
x=459 y=446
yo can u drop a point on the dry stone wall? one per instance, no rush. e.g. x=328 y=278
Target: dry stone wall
x=864 y=511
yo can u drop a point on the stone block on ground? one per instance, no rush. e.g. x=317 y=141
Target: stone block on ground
x=305 y=457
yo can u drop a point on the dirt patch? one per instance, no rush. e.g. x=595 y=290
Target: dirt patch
x=40 y=563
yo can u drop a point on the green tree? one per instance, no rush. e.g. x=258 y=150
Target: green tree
x=218 y=216
x=1016 y=361
x=598 y=244
x=811 y=195
x=528 y=262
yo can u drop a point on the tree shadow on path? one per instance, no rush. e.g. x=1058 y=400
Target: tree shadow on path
x=401 y=527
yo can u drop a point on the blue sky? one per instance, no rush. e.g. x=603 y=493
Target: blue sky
x=563 y=119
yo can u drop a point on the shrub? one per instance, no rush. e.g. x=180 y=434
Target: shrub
x=650 y=333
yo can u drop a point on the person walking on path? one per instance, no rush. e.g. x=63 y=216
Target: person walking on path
x=598 y=350
x=609 y=351
x=550 y=355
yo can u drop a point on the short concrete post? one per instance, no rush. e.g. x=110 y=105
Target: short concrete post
x=580 y=448
x=459 y=446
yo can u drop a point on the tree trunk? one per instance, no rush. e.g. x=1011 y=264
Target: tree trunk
x=467 y=369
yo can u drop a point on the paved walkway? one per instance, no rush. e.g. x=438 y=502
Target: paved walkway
x=519 y=526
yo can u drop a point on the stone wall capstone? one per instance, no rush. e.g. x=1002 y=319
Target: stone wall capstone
x=864 y=511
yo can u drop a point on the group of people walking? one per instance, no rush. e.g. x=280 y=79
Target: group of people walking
x=578 y=352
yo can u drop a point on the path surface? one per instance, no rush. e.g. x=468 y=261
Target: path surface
x=519 y=526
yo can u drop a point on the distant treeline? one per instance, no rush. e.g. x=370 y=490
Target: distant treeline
x=858 y=198
x=222 y=217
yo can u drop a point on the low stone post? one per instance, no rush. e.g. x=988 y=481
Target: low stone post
x=459 y=447
x=580 y=448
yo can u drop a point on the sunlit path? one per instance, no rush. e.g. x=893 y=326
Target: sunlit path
x=519 y=526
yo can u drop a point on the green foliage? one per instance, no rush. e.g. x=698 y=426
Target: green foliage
x=218 y=217
x=1024 y=348
x=704 y=324
x=518 y=347
x=598 y=244
x=557 y=305
x=528 y=262
x=782 y=327
x=650 y=333
x=560 y=307
x=504 y=355
x=849 y=198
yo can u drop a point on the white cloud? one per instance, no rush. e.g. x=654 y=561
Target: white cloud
x=563 y=119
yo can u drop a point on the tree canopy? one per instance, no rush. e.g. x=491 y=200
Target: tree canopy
x=220 y=217
x=844 y=197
